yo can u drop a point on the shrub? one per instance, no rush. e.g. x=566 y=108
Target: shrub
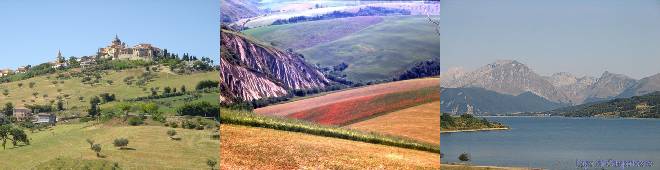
x=174 y=125
x=188 y=124
x=200 y=127
x=91 y=143
x=120 y=142
x=135 y=121
x=171 y=132
x=205 y=84
x=464 y=157
x=202 y=108
x=97 y=149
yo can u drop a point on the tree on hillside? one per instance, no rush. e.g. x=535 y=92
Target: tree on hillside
x=183 y=88
x=97 y=149
x=125 y=108
x=91 y=143
x=121 y=143
x=60 y=105
x=93 y=106
x=205 y=84
x=211 y=163
x=167 y=90
x=20 y=85
x=4 y=134
x=73 y=62
x=31 y=85
x=9 y=109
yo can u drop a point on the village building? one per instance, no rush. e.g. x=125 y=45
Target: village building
x=22 y=69
x=22 y=114
x=45 y=118
x=6 y=72
x=60 y=61
x=119 y=50
x=87 y=61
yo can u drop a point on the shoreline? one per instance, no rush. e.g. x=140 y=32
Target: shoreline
x=475 y=130
x=483 y=167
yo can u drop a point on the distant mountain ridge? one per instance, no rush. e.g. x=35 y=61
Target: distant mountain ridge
x=480 y=101
x=511 y=77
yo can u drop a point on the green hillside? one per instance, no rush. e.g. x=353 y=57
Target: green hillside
x=377 y=50
x=49 y=87
x=646 y=106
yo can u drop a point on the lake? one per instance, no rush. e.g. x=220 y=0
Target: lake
x=557 y=142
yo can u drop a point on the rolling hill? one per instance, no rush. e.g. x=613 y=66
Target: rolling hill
x=360 y=43
x=151 y=147
x=302 y=105
x=645 y=106
x=48 y=88
x=420 y=122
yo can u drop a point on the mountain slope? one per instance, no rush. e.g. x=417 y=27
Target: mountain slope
x=482 y=101
x=251 y=70
x=643 y=86
x=608 y=86
x=575 y=88
x=508 y=77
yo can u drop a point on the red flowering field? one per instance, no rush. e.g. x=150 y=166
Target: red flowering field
x=362 y=108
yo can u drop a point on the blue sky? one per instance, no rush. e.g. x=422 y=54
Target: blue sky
x=33 y=30
x=585 y=37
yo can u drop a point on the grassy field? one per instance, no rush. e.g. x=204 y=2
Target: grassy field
x=49 y=88
x=309 y=34
x=246 y=147
x=382 y=50
x=351 y=94
x=420 y=122
x=150 y=147
x=246 y=118
x=373 y=50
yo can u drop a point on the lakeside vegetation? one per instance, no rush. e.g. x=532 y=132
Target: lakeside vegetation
x=466 y=122
x=645 y=106
x=246 y=118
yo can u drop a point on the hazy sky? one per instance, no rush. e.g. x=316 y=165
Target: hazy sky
x=33 y=30
x=585 y=37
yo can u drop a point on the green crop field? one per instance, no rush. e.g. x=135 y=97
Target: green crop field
x=380 y=51
x=150 y=147
x=47 y=88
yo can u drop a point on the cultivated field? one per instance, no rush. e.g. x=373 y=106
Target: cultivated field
x=373 y=47
x=347 y=95
x=259 y=148
x=420 y=122
x=47 y=88
x=150 y=147
x=309 y=34
x=361 y=108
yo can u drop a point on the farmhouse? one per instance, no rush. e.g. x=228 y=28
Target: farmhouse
x=22 y=114
x=22 y=69
x=87 y=61
x=6 y=72
x=45 y=118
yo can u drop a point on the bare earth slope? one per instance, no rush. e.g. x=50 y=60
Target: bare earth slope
x=245 y=147
x=379 y=89
x=250 y=70
x=420 y=122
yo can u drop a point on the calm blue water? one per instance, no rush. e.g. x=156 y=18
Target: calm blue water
x=556 y=142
